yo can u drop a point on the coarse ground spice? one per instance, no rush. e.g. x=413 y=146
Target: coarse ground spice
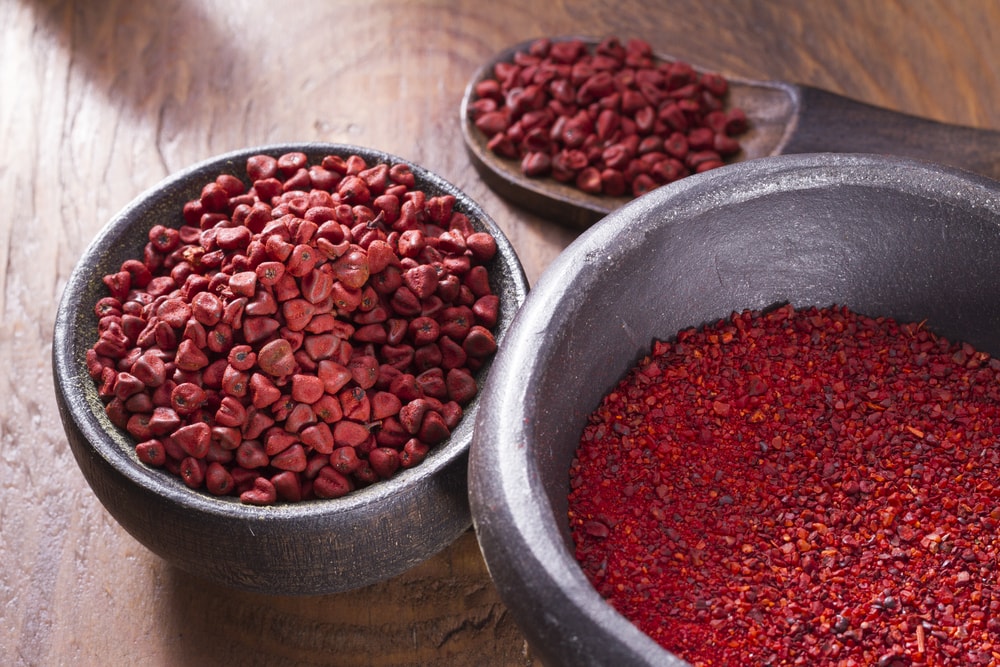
x=799 y=487
x=305 y=329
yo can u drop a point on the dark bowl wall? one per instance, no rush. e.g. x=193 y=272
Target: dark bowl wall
x=309 y=547
x=881 y=236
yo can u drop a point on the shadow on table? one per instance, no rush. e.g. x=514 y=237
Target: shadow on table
x=149 y=55
x=442 y=612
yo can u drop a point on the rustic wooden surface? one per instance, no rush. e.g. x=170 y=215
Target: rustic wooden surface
x=100 y=100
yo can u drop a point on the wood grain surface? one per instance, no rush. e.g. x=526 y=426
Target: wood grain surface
x=100 y=100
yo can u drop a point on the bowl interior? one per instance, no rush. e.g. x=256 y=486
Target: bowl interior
x=882 y=236
x=306 y=547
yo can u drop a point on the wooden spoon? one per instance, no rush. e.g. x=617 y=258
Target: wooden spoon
x=783 y=118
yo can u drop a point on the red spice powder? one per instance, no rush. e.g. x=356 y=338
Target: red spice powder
x=796 y=487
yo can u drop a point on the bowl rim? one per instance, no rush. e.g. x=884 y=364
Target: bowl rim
x=81 y=408
x=520 y=536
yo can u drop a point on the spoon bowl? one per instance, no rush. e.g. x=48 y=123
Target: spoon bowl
x=783 y=118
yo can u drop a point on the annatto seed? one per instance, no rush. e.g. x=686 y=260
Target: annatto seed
x=259 y=343
x=587 y=118
x=808 y=486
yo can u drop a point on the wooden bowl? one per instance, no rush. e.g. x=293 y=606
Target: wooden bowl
x=310 y=547
x=880 y=235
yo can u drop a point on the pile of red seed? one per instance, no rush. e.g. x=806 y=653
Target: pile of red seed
x=799 y=487
x=300 y=337
x=611 y=120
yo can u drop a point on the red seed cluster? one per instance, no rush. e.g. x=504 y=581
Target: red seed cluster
x=612 y=121
x=301 y=337
x=800 y=487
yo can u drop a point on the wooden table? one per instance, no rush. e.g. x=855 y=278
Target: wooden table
x=100 y=100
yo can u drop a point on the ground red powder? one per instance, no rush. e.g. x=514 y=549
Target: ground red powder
x=799 y=487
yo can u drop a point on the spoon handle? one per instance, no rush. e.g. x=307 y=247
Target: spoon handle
x=827 y=122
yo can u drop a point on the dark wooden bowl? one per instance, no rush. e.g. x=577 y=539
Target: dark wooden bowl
x=882 y=236
x=311 y=547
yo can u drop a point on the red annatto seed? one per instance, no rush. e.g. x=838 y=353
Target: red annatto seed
x=427 y=357
x=163 y=420
x=331 y=484
x=344 y=298
x=384 y=461
x=334 y=376
x=412 y=414
x=457 y=321
x=230 y=438
x=364 y=370
x=251 y=455
x=302 y=260
x=218 y=480
x=642 y=184
x=355 y=403
x=234 y=382
x=452 y=354
x=365 y=474
x=142 y=402
x=319 y=437
x=258 y=329
x=275 y=358
x=424 y=330
x=231 y=412
x=317 y=285
x=292 y=459
x=421 y=280
x=433 y=428
x=242 y=357
x=273 y=325
x=414 y=452
x=307 y=388
x=487 y=310
x=138 y=425
x=328 y=409
x=243 y=283
x=300 y=416
x=349 y=434
x=452 y=413
x=150 y=370
x=371 y=333
x=175 y=312
x=391 y=434
x=218 y=454
x=151 y=452
x=193 y=439
x=195 y=332
x=161 y=395
x=385 y=404
x=297 y=313
x=263 y=392
x=432 y=383
x=345 y=460
x=287 y=486
x=461 y=385
x=211 y=375
x=277 y=440
x=269 y=273
x=192 y=471
x=405 y=387
x=479 y=342
x=262 y=493
x=187 y=398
